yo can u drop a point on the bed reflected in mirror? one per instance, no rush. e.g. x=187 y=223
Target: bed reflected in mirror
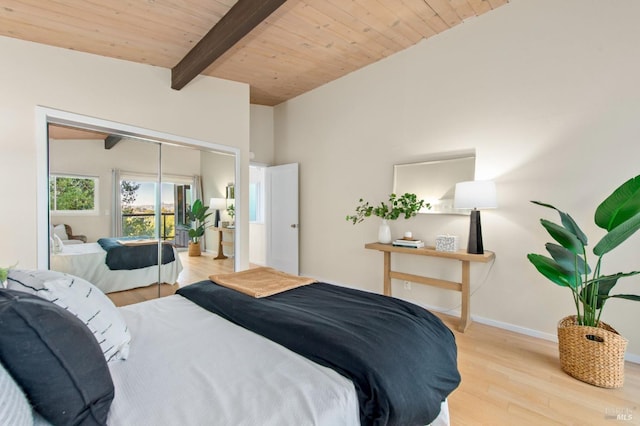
x=117 y=204
x=434 y=180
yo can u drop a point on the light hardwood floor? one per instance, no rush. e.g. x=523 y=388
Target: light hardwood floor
x=507 y=378
x=512 y=379
x=196 y=268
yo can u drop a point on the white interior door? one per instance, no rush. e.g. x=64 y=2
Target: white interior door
x=282 y=217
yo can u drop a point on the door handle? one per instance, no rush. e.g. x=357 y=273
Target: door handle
x=294 y=225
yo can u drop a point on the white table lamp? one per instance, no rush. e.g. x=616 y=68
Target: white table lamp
x=479 y=194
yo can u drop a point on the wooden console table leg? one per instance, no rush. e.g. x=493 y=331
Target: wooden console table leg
x=465 y=315
x=387 y=273
x=220 y=255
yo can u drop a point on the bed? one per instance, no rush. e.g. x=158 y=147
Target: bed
x=88 y=261
x=179 y=363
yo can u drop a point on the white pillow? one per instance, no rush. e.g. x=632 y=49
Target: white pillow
x=58 y=245
x=84 y=300
x=14 y=407
x=61 y=232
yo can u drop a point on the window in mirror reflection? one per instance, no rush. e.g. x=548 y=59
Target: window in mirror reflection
x=73 y=194
x=139 y=209
x=434 y=181
x=137 y=215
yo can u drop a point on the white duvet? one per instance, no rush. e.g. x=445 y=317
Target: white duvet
x=187 y=366
x=190 y=367
x=88 y=261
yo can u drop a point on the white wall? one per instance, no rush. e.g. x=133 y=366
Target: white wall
x=547 y=94
x=262 y=148
x=208 y=109
x=261 y=136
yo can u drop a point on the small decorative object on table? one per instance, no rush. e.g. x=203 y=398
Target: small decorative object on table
x=404 y=242
x=447 y=243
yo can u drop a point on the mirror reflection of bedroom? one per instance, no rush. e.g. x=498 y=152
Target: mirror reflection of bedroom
x=118 y=204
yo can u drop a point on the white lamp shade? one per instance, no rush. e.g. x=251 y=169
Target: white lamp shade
x=477 y=194
x=218 y=203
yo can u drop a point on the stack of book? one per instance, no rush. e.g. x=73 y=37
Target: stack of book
x=408 y=243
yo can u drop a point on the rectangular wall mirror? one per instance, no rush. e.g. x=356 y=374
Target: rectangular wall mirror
x=434 y=181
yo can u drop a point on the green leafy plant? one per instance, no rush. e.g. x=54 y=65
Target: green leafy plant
x=619 y=215
x=198 y=216
x=406 y=205
x=231 y=210
x=4 y=273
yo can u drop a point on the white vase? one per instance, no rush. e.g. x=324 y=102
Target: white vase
x=384 y=233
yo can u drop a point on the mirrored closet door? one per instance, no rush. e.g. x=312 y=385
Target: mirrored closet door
x=121 y=207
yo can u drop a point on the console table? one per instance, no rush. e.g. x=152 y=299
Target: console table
x=222 y=242
x=464 y=286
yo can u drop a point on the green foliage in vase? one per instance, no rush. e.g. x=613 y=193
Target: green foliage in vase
x=406 y=205
x=198 y=215
x=619 y=215
x=4 y=273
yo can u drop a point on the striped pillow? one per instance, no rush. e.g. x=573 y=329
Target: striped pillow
x=82 y=299
x=14 y=407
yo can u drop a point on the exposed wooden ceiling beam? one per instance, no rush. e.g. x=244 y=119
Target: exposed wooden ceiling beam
x=111 y=141
x=243 y=17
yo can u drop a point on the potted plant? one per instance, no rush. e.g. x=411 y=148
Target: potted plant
x=406 y=205
x=591 y=350
x=197 y=216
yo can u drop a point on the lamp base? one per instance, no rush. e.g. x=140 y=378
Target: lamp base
x=475 y=234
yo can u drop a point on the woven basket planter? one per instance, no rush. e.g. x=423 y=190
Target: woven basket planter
x=594 y=355
x=194 y=248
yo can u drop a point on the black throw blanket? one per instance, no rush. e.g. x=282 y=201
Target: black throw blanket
x=400 y=357
x=121 y=257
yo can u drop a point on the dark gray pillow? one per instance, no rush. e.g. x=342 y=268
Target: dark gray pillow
x=55 y=359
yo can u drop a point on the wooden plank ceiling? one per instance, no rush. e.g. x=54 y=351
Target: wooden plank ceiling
x=302 y=45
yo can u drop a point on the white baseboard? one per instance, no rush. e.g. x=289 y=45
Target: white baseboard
x=520 y=330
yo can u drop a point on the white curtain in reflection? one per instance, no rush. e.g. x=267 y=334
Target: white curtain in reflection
x=116 y=204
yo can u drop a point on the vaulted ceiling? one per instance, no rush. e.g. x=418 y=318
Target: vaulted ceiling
x=302 y=45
